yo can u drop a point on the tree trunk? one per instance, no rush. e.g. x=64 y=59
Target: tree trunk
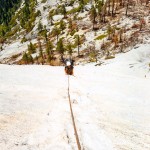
x=127 y=7
x=78 y=46
x=113 y=4
x=109 y=7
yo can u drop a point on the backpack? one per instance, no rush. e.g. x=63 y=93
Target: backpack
x=69 y=70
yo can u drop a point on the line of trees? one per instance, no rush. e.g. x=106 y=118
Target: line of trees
x=7 y=9
x=101 y=9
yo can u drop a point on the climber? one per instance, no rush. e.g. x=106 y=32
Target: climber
x=69 y=66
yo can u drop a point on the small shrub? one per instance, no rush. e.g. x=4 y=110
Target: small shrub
x=43 y=1
x=23 y=40
x=72 y=32
x=74 y=10
x=93 y=56
x=101 y=37
x=109 y=57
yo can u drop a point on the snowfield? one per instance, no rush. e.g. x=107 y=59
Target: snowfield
x=110 y=102
x=14 y=49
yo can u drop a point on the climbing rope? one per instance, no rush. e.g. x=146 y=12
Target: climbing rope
x=72 y=116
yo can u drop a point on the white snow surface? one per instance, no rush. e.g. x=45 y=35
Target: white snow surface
x=14 y=48
x=110 y=103
x=57 y=17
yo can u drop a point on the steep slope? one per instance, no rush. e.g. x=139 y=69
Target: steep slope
x=110 y=104
x=46 y=31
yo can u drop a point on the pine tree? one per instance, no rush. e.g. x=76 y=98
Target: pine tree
x=45 y=34
x=56 y=32
x=81 y=6
x=109 y=1
x=127 y=5
x=99 y=7
x=120 y=33
x=49 y=50
x=36 y=2
x=62 y=25
x=40 y=26
x=109 y=31
x=115 y=39
x=69 y=49
x=25 y=58
x=63 y=11
x=41 y=55
x=7 y=10
x=104 y=8
x=31 y=48
x=30 y=58
x=70 y=26
x=25 y=13
x=51 y=17
x=113 y=6
x=93 y=14
x=37 y=60
x=93 y=56
x=60 y=48
x=81 y=1
x=78 y=42
x=41 y=52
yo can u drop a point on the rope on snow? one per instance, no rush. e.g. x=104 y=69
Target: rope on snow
x=72 y=116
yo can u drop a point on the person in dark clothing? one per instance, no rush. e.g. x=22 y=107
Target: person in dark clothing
x=69 y=67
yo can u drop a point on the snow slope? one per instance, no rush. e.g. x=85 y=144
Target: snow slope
x=110 y=103
x=14 y=49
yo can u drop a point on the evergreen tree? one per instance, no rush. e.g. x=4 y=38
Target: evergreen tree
x=25 y=58
x=49 y=51
x=115 y=39
x=109 y=31
x=40 y=26
x=30 y=58
x=78 y=42
x=69 y=49
x=60 y=48
x=120 y=33
x=99 y=7
x=93 y=56
x=37 y=60
x=113 y=7
x=7 y=9
x=70 y=26
x=41 y=55
x=36 y=2
x=2 y=33
x=63 y=11
x=31 y=48
x=41 y=52
x=127 y=6
x=62 y=25
x=93 y=14
x=56 y=32
x=45 y=34
x=81 y=6
x=26 y=11
x=51 y=17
